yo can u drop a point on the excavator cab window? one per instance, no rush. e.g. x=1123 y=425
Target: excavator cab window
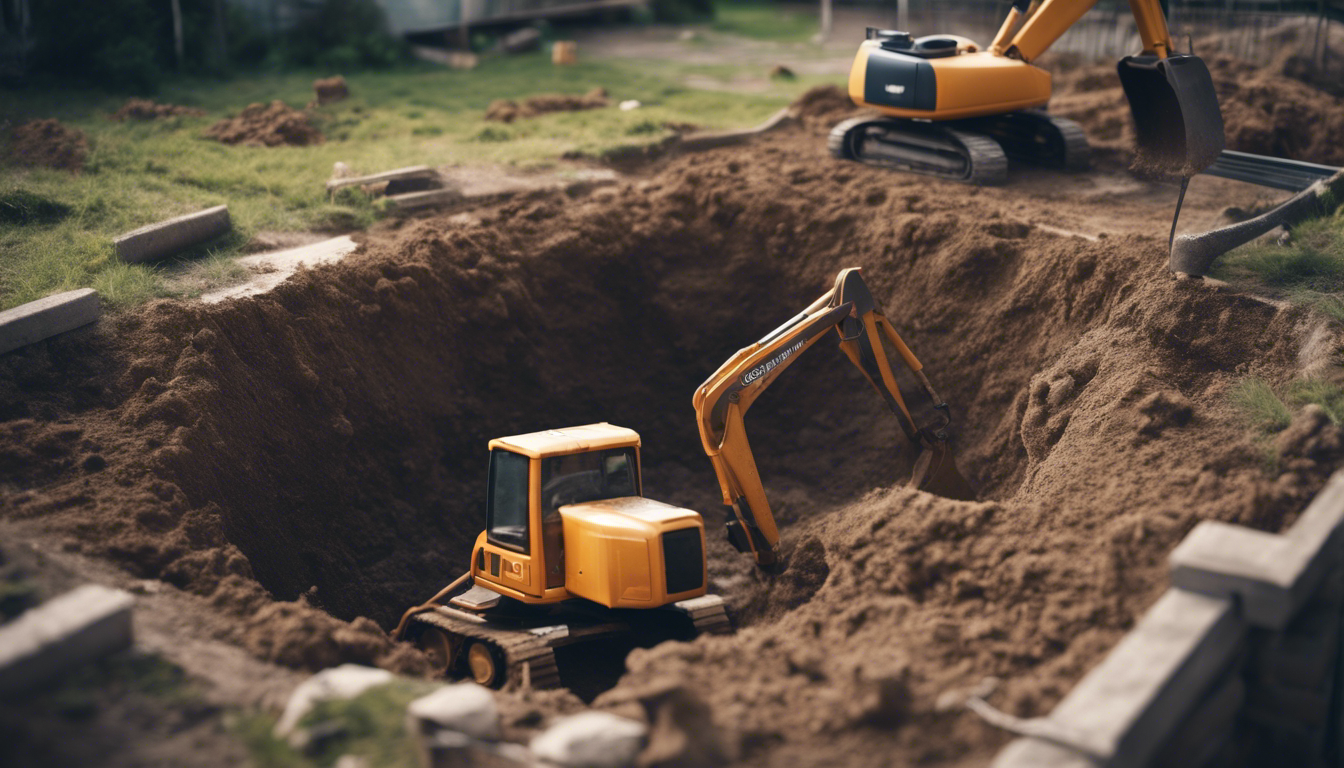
x=506 y=503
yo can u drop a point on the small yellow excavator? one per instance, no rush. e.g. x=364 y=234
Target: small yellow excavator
x=956 y=110
x=722 y=402
x=572 y=552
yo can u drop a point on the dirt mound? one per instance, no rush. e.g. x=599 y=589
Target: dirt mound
x=48 y=143
x=824 y=102
x=326 y=441
x=147 y=109
x=330 y=89
x=1265 y=111
x=507 y=110
x=269 y=125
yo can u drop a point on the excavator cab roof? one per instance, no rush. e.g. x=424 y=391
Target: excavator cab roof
x=555 y=442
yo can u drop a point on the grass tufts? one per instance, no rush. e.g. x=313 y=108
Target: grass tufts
x=1260 y=406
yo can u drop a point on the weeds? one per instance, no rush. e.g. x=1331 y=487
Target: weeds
x=1266 y=412
x=1308 y=271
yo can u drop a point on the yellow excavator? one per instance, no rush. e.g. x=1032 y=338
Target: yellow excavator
x=956 y=110
x=572 y=552
x=722 y=402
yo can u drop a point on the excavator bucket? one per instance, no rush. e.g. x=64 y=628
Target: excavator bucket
x=936 y=472
x=1176 y=117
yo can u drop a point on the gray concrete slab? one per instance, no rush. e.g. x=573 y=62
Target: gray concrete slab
x=1274 y=575
x=37 y=320
x=272 y=269
x=1207 y=729
x=1034 y=753
x=1128 y=705
x=84 y=624
x=166 y=238
x=410 y=172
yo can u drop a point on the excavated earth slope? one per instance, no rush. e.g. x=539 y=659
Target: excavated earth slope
x=315 y=456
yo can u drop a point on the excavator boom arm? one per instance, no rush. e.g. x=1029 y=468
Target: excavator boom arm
x=722 y=401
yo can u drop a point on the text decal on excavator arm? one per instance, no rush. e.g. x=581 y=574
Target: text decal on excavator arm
x=772 y=363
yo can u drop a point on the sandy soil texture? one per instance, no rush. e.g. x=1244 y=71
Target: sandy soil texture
x=311 y=461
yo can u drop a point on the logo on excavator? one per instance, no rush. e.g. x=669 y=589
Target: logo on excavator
x=896 y=89
x=771 y=364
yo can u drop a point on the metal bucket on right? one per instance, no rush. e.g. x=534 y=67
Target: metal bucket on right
x=1178 y=123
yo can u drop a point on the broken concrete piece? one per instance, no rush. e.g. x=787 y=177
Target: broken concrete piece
x=464 y=707
x=77 y=627
x=591 y=740
x=1273 y=574
x=427 y=199
x=272 y=269
x=37 y=320
x=521 y=41
x=166 y=238
x=1034 y=753
x=344 y=682
x=411 y=172
x=1129 y=704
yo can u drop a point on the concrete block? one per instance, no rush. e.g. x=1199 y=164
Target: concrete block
x=591 y=740
x=398 y=174
x=344 y=682
x=75 y=628
x=1035 y=753
x=166 y=238
x=427 y=199
x=464 y=707
x=1274 y=575
x=37 y=320
x=1282 y=707
x=1303 y=655
x=1128 y=705
x=1207 y=729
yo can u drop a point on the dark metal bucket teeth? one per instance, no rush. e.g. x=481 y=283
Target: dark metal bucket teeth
x=1176 y=115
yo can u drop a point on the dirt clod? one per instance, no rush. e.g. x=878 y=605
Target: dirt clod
x=330 y=89
x=507 y=110
x=48 y=143
x=268 y=125
x=148 y=109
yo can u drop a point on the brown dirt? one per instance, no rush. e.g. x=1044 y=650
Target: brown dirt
x=330 y=89
x=507 y=110
x=148 y=109
x=269 y=125
x=48 y=143
x=321 y=446
x=1266 y=110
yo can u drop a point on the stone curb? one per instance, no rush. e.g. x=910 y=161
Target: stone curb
x=1178 y=670
x=172 y=236
x=79 y=626
x=37 y=320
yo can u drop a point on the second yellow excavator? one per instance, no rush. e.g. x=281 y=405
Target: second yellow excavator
x=956 y=110
x=722 y=402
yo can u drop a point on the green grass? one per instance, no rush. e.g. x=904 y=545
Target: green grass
x=765 y=21
x=1267 y=411
x=56 y=228
x=371 y=725
x=1308 y=271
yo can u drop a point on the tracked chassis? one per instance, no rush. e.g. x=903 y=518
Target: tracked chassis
x=482 y=637
x=974 y=151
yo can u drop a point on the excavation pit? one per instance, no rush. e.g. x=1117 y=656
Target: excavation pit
x=327 y=440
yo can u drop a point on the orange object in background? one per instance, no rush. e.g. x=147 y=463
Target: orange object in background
x=564 y=52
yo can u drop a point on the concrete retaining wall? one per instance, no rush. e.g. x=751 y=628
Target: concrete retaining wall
x=1237 y=664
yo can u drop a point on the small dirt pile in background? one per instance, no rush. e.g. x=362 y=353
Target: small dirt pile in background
x=507 y=110
x=148 y=109
x=267 y=125
x=48 y=143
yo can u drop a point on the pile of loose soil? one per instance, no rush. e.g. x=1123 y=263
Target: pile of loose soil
x=148 y=109
x=507 y=110
x=50 y=144
x=322 y=446
x=269 y=125
x=1266 y=110
x=330 y=89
